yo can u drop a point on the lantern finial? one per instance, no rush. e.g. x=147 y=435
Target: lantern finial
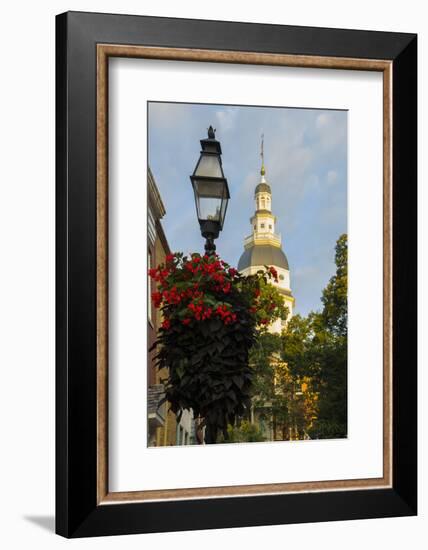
x=211 y=132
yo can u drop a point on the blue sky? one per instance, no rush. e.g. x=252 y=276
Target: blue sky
x=306 y=167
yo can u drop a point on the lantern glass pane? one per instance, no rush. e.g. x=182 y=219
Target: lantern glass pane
x=209 y=208
x=223 y=210
x=209 y=197
x=209 y=189
x=209 y=166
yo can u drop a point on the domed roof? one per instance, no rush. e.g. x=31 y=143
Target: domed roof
x=262 y=188
x=263 y=254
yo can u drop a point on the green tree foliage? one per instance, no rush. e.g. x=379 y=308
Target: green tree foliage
x=335 y=295
x=314 y=350
x=282 y=395
x=244 y=433
x=331 y=339
x=295 y=346
x=316 y=346
x=270 y=390
x=270 y=304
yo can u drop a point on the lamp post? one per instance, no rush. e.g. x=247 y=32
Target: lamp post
x=211 y=190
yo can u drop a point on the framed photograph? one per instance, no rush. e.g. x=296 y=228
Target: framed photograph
x=236 y=274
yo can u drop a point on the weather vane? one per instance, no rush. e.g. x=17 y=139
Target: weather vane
x=262 y=155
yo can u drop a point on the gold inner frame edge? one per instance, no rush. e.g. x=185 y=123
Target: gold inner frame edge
x=104 y=51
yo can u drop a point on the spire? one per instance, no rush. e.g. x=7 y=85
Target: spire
x=262 y=171
x=263 y=185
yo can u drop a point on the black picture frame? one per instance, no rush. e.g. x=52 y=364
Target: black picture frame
x=77 y=511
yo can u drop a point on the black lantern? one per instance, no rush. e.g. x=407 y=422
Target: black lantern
x=211 y=190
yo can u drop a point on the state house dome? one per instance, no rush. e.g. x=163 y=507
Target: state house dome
x=263 y=254
x=262 y=188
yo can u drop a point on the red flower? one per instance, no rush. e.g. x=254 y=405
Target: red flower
x=157 y=298
x=218 y=277
x=187 y=285
x=189 y=266
x=274 y=273
x=226 y=315
x=166 y=323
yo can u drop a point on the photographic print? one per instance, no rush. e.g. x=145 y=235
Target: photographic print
x=247 y=274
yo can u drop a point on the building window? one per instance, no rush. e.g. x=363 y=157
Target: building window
x=151 y=226
x=255 y=227
x=281 y=277
x=270 y=227
x=263 y=204
x=262 y=225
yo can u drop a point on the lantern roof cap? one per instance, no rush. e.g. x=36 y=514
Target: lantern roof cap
x=210 y=144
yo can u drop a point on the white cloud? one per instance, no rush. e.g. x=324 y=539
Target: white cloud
x=322 y=120
x=226 y=119
x=331 y=131
x=248 y=185
x=332 y=177
x=167 y=115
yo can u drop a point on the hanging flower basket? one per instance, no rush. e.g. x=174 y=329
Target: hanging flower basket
x=211 y=314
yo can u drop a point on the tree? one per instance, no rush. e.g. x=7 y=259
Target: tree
x=282 y=393
x=270 y=305
x=329 y=350
x=335 y=295
x=244 y=433
x=295 y=347
x=314 y=349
